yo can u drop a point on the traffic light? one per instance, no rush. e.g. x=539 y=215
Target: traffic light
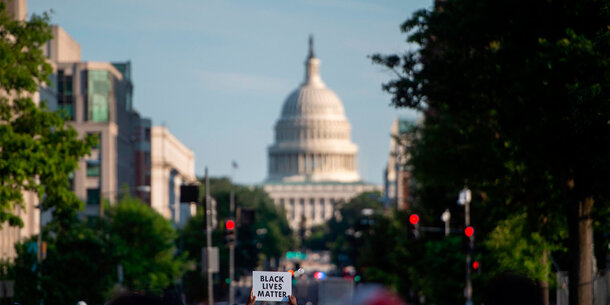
x=469 y=239
x=476 y=266
x=230 y=232
x=414 y=226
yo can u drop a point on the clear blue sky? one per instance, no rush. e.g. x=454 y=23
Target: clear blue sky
x=217 y=72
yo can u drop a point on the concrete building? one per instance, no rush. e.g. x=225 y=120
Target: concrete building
x=172 y=164
x=397 y=181
x=312 y=164
x=97 y=98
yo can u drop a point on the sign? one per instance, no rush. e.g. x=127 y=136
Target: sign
x=271 y=286
x=210 y=261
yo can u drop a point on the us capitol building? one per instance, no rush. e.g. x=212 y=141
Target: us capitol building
x=312 y=164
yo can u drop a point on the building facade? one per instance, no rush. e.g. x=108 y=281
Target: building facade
x=397 y=182
x=172 y=165
x=313 y=164
x=97 y=98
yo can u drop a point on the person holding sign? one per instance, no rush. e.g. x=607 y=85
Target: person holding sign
x=272 y=285
x=292 y=300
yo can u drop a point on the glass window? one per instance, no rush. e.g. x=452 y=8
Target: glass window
x=99 y=95
x=68 y=85
x=93 y=168
x=60 y=82
x=66 y=108
x=93 y=196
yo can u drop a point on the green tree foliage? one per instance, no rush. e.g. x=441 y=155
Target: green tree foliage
x=515 y=96
x=78 y=266
x=39 y=151
x=514 y=249
x=144 y=244
x=252 y=249
x=81 y=261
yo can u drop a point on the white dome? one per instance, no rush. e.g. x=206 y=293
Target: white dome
x=312 y=140
x=313 y=102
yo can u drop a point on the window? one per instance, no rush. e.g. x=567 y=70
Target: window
x=93 y=168
x=99 y=95
x=64 y=95
x=65 y=104
x=323 y=207
x=292 y=209
x=93 y=196
x=312 y=204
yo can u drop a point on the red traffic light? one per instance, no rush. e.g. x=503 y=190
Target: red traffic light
x=414 y=219
x=469 y=231
x=475 y=265
x=230 y=225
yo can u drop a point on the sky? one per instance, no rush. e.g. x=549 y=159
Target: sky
x=217 y=72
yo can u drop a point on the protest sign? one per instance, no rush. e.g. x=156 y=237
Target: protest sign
x=271 y=286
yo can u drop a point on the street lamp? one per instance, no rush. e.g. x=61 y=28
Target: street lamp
x=464 y=199
x=446 y=217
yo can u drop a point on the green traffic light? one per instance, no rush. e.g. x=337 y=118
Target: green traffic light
x=357 y=278
x=228 y=280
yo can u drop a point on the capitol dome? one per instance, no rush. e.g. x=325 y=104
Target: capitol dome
x=312 y=135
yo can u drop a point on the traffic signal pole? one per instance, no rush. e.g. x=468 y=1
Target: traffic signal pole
x=468 y=292
x=208 y=232
x=232 y=252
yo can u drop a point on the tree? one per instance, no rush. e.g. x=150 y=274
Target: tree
x=144 y=244
x=515 y=98
x=515 y=249
x=78 y=267
x=39 y=151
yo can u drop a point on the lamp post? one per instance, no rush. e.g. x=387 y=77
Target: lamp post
x=446 y=217
x=464 y=199
x=208 y=232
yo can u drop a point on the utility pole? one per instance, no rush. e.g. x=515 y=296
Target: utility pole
x=464 y=199
x=208 y=232
x=39 y=252
x=468 y=258
x=232 y=252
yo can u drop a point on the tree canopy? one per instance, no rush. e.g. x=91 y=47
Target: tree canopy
x=39 y=150
x=515 y=98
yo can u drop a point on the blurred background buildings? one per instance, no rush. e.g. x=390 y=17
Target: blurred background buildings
x=396 y=176
x=132 y=157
